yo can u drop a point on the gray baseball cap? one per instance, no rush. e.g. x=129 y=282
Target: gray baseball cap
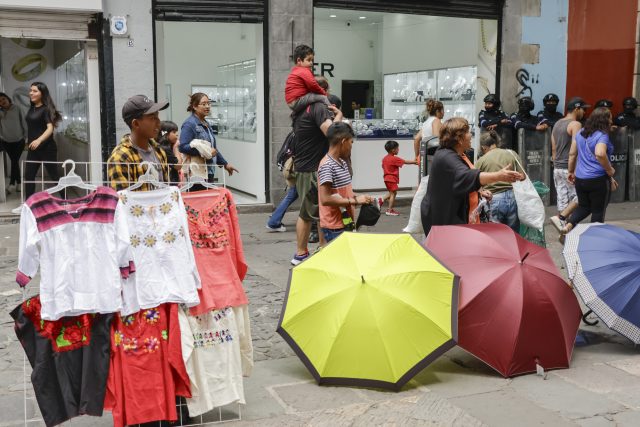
x=139 y=105
x=577 y=102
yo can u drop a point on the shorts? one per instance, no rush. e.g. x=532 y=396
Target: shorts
x=566 y=191
x=391 y=186
x=330 y=234
x=307 y=186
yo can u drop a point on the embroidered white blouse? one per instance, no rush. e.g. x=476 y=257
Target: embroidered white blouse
x=82 y=249
x=159 y=237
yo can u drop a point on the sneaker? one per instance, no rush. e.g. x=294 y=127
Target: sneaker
x=558 y=223
x=378 y=202
x=392 y=212
x=280 y=229
x=297 y=259
x=17 y=210
x=314 y=237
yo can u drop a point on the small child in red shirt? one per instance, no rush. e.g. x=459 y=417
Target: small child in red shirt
x=391 y=165
x=301 y=88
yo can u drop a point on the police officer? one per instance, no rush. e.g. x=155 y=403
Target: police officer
x=628 y=116
x=550 y=115
x=605 y=103
x=492 y=117
x=523 y=119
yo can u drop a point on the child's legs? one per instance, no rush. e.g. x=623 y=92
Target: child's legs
x=392 y=188
x=304 y=101
x=392 y=199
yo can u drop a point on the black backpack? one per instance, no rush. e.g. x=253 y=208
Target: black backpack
x=286 y=150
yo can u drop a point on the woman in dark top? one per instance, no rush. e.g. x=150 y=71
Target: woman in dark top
x=41 y=119
x=452 y=181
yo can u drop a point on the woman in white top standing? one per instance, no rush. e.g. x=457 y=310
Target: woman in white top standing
x=431 y=126
x=13 y=131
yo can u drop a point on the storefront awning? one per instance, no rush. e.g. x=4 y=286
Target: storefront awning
x=45 y=25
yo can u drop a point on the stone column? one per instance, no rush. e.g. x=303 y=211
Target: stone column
x=290 y=24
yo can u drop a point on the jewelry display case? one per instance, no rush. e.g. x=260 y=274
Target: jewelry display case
x=405 y=94
x=72 y=98
x=386 y=128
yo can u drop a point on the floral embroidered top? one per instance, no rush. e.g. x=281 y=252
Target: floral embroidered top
x=146 y=371
x=158 y=234
x=211 y=353
x=82 y=249
x=217 y=245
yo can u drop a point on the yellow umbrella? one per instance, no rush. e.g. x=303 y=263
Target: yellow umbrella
x=370 y=310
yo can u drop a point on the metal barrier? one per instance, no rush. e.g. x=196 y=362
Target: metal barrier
x=620 y=140
x=534 y=148
x=633 y=171
x=428 y=147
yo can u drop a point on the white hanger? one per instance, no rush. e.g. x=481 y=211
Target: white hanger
x=71 y=180
x=147 y=178
x=197 y=179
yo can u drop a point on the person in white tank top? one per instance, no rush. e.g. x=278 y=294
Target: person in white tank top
x=431 y=127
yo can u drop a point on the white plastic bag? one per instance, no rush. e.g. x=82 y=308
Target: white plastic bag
x=415 y=222
x=530 y=207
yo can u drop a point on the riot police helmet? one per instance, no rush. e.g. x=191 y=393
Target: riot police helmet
x=606 y=103
x=526 y=103
x=551 y=98
x=492 y=98
x=630 y=103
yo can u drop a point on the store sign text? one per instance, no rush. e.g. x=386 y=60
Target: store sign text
x=326 y=69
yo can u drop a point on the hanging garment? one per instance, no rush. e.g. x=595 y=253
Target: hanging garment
x=217 y=245
x=146 y=369
x=82 y=248
x=165 y=265
x=70 y=360
x=241 y=314
x=211 y=352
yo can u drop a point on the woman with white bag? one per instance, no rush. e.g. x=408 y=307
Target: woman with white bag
x=452 y=191
x=198 y=142
x=503 y=208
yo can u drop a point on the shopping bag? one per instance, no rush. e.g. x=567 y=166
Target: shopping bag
x=415 y=222
x=530 y=207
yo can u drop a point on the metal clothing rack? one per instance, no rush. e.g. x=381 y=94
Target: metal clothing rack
x=88 y=171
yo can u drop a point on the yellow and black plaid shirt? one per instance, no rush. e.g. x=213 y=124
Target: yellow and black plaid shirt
x=124 y=164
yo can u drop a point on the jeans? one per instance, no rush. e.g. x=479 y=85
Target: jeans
x=593 y=198
x=276 y=217
x=14 y=150
x=329 y=234
x=504 y=210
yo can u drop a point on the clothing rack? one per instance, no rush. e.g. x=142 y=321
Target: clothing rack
x=88 y=171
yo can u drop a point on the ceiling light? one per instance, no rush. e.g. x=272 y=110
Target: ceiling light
x=333 y=16
x=363 y=17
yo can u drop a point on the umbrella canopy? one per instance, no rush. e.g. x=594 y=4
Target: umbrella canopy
x=603 y=262
x=515 y=309
x=370 y=310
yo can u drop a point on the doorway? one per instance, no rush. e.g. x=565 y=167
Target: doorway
x=356 y=94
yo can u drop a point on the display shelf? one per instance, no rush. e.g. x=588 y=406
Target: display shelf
x=233 y=101
x=72 y=98
x=405 y=94
x=382 y=128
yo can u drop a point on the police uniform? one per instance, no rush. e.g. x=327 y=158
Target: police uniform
x=523 y=119
x=549 y=115
x=628 y=116
x=493 y=116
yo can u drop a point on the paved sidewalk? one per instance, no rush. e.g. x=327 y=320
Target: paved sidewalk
x=602 y=388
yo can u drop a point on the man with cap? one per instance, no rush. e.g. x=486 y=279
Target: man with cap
x=605 y=103
x=492 y=117
x=628 y=116
x=564 y=131
x=124 y=167
x=550 y=114
x=523 y=119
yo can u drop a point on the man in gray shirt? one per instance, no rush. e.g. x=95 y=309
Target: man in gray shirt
x=564 y=131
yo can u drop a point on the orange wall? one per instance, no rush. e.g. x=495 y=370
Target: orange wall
x=601 y=50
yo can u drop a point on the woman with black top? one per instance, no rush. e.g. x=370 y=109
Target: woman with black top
x=41 y=119
x=168 y=140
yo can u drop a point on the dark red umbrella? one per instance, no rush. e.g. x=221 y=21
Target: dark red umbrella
x=515 y=309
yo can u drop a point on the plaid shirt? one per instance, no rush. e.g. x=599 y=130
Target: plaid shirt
x=124 y=164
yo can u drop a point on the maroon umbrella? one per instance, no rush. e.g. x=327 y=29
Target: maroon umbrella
x=514 y=309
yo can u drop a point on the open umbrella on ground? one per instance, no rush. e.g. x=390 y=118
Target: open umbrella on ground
x=603 y=262
x=515 y=309
x=370 y=310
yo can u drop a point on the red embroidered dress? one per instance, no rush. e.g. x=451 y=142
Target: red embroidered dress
x=146 y=370
x=217 y=246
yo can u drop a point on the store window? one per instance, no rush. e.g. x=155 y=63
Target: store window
x=224 y=61
x=385 y=66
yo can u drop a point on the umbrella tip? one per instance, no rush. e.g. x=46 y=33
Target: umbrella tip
x=524 y=257
x=362 y=277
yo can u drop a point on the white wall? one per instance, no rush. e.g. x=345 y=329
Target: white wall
x=192 y=53
x=353 y=51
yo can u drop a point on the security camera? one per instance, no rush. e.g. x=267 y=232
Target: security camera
x=348 y=23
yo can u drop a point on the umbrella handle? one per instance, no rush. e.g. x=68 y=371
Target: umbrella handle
x=589 y=322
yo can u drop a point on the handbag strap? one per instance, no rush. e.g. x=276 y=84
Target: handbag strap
x=518 y=162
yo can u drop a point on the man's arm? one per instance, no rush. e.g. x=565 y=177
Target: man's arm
x=324 y=127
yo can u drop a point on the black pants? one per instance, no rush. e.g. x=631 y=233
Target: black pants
x=45 y=153
x=14 y=150
x=593 y=198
